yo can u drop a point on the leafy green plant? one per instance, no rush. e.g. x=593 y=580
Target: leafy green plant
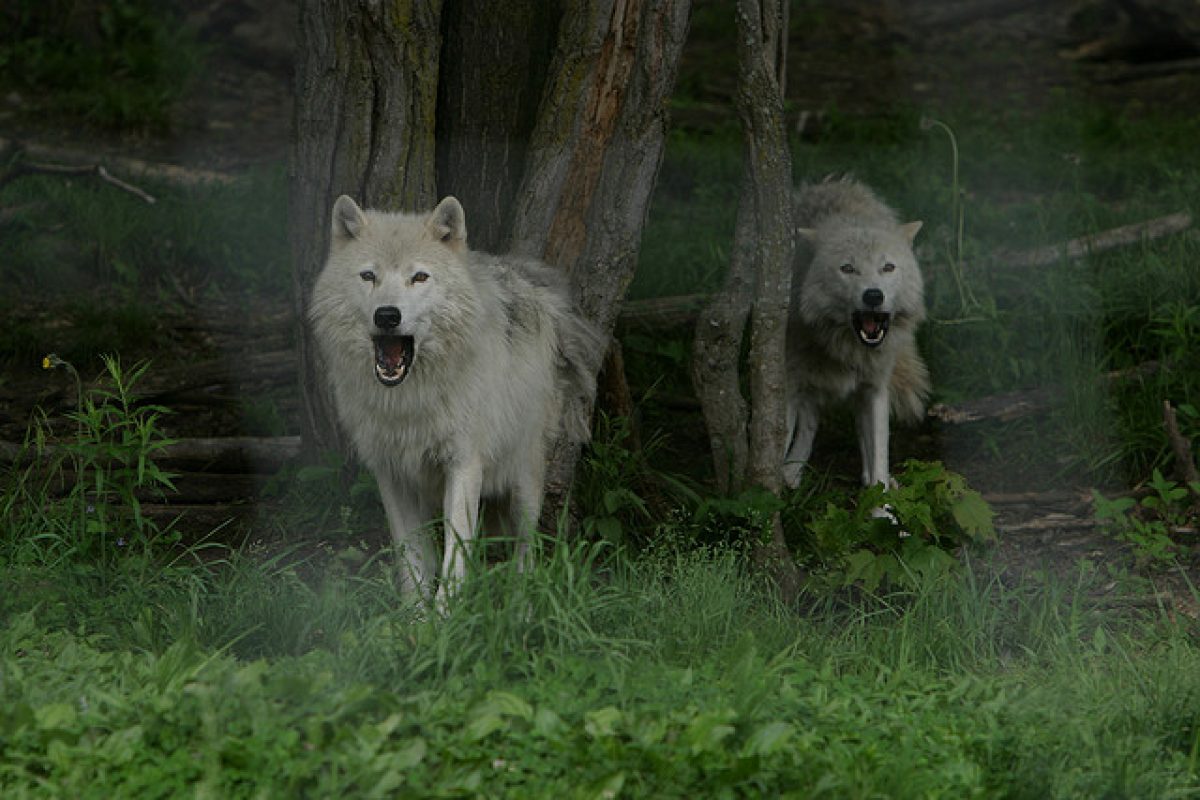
x=616 y=480
x=107 y=467
x=1147 y=525
x=902 y=536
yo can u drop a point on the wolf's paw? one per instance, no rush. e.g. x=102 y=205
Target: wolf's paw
x=885 y=511
x=792 y=472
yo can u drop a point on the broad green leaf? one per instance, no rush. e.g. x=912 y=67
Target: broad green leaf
x=601 y=722
x=768 y=739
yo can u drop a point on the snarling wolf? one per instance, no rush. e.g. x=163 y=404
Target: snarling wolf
x=857 y=298
x=451 y=371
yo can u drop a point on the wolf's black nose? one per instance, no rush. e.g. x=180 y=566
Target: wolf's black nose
x=872 y=298
x=388 y=317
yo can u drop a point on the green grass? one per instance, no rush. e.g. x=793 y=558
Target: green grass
x=121 y=64
x=75 y=235
x=669 y=675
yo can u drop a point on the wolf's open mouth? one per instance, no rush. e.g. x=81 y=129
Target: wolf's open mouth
x=872 y=326
x=393 y=358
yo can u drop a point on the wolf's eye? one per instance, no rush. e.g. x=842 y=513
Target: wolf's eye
x=847 y=269
x=420 y=277
x=367 y=275
x=889 y=267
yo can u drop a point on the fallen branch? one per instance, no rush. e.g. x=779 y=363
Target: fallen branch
x=662 y=312
x=1101 y=242
x=954 y=15
x=171 y=173
x=1007 y=406
x=1160 y=69
x=22 y=169
x=1053 y=521
x=237 y=454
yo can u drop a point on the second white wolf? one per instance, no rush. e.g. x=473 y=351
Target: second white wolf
x=857 y=299
x=451 y=372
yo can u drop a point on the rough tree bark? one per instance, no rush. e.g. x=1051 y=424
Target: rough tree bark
x=751 y=453
x=554 y=157
x=366 y=94
x=594 y=157
x=495 y=58
x=717 y=348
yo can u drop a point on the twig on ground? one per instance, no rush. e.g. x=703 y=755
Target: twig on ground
x=171 y=173
x=22 y=169
x=1181 y=447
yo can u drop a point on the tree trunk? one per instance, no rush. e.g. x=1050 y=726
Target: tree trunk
x=495 y=59
x=366 y=93
x=594 y=157
x=762 y=35
x=718 y=348
x=758 y=284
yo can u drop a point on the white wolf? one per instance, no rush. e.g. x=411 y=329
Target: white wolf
x=451 y=372
x=857 y=298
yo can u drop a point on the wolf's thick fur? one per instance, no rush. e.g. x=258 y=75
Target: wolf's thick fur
x=857 y=298
x=451 y=371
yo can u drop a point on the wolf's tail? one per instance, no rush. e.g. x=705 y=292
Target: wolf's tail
x=580 y=346
x=910 y=386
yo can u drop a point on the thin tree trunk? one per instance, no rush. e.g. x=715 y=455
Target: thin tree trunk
x=762 y=28
x=718 y=349
x=366 y=93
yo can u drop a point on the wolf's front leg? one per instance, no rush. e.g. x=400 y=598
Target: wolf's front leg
x=802 y=428
x=873 y=435
x=464 y=481
x=407 y=517
x=524 y=510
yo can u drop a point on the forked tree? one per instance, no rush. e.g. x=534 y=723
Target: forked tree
x=747 y=438
x=546 y=119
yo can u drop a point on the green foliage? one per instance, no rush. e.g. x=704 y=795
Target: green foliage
x=117 y=64
x=900 y=538
x=615 y=481
x=1147 y=525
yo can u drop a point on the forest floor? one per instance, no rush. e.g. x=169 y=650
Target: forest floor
x=853 y=59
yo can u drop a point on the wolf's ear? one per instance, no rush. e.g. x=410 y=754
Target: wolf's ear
x=910 y=230
x=806 y=235
x=448 y=223
x=348 y=219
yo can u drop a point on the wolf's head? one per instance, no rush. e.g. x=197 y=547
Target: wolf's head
x=865 y=278
x=393 y=276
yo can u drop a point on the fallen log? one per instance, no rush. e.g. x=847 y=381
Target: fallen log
x=954 y=15
x=661 y=312
x=1007 y=406
x=231 y=454
x=1104 y=241
x=1138 y=72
